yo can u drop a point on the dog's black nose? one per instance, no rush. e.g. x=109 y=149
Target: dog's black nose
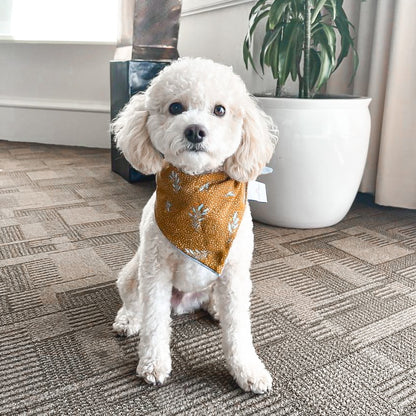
x=195 y=133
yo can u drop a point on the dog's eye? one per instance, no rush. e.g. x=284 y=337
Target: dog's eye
x=219 y=110
x=176 y=108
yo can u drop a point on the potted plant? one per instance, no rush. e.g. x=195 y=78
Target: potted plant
x=323 y=140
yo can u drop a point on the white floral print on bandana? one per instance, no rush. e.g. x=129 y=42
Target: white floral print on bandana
x=198 y=215
x=197 y=254
x=204 y=187
x=174 y=178
x=233 y=224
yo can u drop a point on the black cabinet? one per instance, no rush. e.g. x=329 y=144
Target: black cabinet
x=127 y=78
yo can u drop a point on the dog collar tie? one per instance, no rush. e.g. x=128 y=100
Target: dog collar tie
x=200 y=214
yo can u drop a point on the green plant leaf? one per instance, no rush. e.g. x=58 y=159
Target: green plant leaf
x=268 y=42
x=324 y=43
x=324 y=36
x=255 y=8
x=356 y=62
x=325 y=69
x=315 y=68
x=292 y=35
x=277 y=10
x=246 y=52
x=256 y=20
x=347 y=42
x=331 y=7
x=258 y=13
x=272 y=56
x=318 y=8
x=247 y=56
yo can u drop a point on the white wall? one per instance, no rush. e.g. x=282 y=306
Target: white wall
x=55 y=93
x=219 y=34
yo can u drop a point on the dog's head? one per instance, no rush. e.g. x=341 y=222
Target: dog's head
x=198 y=116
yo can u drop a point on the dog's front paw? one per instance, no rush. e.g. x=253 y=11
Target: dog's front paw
x=125 y=325
x=252 y=376
x=154 y=371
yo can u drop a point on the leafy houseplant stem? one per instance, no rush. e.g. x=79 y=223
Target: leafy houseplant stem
x=304 y=87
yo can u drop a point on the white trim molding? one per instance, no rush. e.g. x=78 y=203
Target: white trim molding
x=59 y=105
x=72 y=127
x=190 y=7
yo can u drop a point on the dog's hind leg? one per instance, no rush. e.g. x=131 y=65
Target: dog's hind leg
x=128 y=319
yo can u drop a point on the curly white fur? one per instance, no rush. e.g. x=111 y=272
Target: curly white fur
x=160 y=278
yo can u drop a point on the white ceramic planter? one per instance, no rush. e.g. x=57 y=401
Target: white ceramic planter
x=318 y=162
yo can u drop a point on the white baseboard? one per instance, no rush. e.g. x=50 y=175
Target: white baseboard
x=71 y=127
x=48 y=104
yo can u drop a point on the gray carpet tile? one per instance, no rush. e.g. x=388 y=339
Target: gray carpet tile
x=333 y=309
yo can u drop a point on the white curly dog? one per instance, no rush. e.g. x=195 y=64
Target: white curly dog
x=233 y=135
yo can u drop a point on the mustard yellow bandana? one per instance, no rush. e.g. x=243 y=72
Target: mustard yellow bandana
x=200 y=214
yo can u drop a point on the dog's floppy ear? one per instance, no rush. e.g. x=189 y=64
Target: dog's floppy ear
x=132 y=137
x=259 y=137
